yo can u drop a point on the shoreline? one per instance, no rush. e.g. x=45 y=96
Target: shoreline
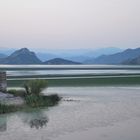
x=84 y=81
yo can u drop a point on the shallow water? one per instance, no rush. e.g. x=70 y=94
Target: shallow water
x=84 y=113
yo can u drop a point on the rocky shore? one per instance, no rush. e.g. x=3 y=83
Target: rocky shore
x=9 y=99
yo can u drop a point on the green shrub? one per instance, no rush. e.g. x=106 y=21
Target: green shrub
x=8 y=108
x=32 y=96
x=16 y=93
x=40 y=101
x=35 y=87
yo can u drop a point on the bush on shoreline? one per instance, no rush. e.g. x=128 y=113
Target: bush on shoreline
x=8 y=108
x=35 y=87
x=17 y=93
x=32 y=101
x=32 y=96
x=41 y=101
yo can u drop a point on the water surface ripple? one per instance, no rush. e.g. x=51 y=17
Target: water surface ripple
x=83 y=109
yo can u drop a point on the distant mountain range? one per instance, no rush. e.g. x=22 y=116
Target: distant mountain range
x=2 y=55
x=46 y=56
x=135 y=61
x=22 y=56
x=78 y=55
x=25 y=56
x=117 y=58
x=60 y=61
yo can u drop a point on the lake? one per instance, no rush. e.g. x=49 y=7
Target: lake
x=73 y=75
x=108 y=113
x=68 y=70
x=100 y=102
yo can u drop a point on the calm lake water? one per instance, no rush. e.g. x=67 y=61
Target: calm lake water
x=28 y=70
x=86 y=112
x=100 y=113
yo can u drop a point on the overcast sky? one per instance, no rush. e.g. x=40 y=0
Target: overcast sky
x=69 y=23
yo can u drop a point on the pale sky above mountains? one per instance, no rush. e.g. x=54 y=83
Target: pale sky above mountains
x=69 y=23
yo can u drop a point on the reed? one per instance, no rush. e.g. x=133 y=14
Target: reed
x=8 y=108
x=42 y=101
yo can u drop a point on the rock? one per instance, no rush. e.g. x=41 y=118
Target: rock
x=5 y=95
x=6 y=98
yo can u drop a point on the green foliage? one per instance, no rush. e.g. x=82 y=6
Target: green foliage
x=35 y=87
x=32 y=96
x=8 y=108
x=31 y=101
x=40 y=101
x=16 y=93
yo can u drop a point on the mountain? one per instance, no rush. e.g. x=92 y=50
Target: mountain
x=84 y=55
x=134 y=61
x=116 y=58
x=79 y=55
x=103 y=51
x=60 y=61
x=2 y=55
x=82 y=58
x=7 y=51
x=21 y=56
x=46 y=56
x=25 y=56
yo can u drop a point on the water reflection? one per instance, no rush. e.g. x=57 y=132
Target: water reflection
x=3 y=123
x=38 y=123
x=35 y=119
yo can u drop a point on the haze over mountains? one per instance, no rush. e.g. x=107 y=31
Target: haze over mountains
x=79 y=55
x=99 y=56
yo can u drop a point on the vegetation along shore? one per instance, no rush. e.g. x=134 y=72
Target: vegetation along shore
x=32 y=96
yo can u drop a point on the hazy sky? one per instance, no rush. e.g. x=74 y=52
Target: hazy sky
x=69 y=23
